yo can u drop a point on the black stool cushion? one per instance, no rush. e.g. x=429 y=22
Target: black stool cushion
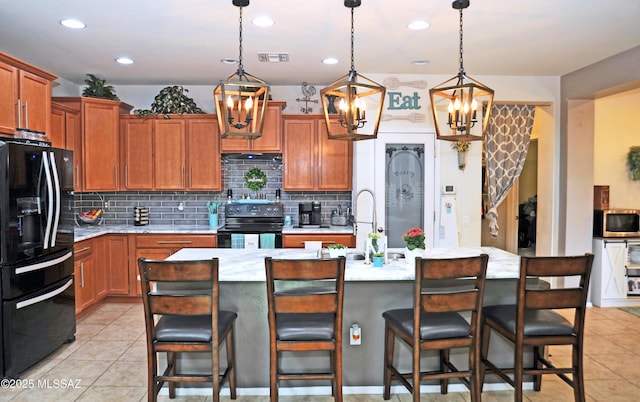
x=434 y=325
x=536 y=322
x=304 y=327
x=194 y=328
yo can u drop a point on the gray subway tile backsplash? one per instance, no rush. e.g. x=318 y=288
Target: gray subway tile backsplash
x=164 y=205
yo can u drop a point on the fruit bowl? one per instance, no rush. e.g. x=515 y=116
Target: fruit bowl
x=90 y=217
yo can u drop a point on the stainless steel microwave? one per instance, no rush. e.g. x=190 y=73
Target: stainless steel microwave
x=616 y=223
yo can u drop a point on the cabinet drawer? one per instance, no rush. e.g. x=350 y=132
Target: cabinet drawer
x=83 y=249
x=175 y=241
x=297 y=241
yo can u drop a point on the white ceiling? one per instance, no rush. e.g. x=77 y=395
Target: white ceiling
x=183 y=41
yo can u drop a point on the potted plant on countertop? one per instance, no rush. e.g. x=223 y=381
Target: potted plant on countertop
x=414 y=240
x=336 y=250
x=212 y=207
x=375 y=249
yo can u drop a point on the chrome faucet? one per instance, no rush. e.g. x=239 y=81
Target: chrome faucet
x=373 y=222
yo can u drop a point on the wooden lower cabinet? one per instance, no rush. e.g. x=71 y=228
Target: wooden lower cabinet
x=86 y=275
x=159 y=247
x=297 y=240
x=116 y=257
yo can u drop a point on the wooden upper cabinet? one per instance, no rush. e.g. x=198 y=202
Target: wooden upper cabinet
x=312 y=162
x=180 y=153
x=137 y=152
x=66 y=133
x=203 y=147
x=100 y=141
x=271 y=140
x=25 y=96
x=169 y=154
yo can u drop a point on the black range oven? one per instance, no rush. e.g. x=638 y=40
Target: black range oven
x=250 y=217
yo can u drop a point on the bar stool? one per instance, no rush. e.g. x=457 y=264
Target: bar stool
x=531 y=322
x=305 y=299
x=185 y=320
x=443 y=288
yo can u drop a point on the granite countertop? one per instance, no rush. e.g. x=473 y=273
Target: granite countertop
x=248 y=266
x=87 y=232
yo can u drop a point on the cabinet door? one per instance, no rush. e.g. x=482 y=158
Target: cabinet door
x=8 y=98
x=614 y=284
x=169 y=157
x=204 y=172
x=35 y=99
x=99 y=266
x=298 y=156
x=83 y=274
x=116 y=254
x=100 y=146
x=271 y=140
x=137 y=148
x=152 y=254
x=335 y=161
x=57 y=133
x=74 y=143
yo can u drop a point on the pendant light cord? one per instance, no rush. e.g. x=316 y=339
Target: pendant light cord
x=352 y=41
x=461 y=73
x=240 y=66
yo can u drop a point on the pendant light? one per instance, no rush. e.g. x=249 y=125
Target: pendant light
x=358 y=98
x=464 y=99
x=241 y=100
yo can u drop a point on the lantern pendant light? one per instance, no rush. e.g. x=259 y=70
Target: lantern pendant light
x=359 y=101
x=241 y=99
x=464 y=100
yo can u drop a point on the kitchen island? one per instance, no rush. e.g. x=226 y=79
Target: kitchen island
x=368 y=292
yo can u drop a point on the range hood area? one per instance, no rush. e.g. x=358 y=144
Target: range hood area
x=252 y=156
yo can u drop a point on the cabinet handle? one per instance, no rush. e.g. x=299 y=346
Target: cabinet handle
x=181 y=176
x=126 y=176
x=115 y=169
x=76 y=177
x=174 y=242
x=190 y=176
x=83 y=249
x=82 y=275
x=26 y=114
x=19 y=113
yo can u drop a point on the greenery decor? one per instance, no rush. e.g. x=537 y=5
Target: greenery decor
x=336 y=246
x=255 y=179
x=171 y=100
x=414 y=238
x=633 y=161
x=97 y=88
x=461 y=146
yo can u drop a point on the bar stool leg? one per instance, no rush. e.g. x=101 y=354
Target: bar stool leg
x=389 y=339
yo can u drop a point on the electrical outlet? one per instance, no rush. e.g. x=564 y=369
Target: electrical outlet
x=106 y=205
x=355 y=335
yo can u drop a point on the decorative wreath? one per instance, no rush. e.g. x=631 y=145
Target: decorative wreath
x=255 y=179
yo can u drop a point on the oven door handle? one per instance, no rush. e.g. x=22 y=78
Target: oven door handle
x=43 y=265
x=46 y=296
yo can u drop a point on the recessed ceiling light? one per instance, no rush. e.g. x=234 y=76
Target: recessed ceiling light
x=72 y=23
x=420 y=62
x=262 y=21
x=418 y=24
x=229 y=61
x=124 y=60
x=330 y=60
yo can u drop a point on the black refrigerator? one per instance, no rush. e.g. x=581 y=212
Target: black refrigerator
x=36 y=253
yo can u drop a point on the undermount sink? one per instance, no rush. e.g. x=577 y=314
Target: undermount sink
x=355 y=256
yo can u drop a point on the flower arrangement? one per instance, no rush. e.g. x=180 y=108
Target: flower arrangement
x=414 y=238
x=374 y=243
x=461 y=146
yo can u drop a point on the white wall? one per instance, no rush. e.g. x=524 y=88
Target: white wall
x=615 y=132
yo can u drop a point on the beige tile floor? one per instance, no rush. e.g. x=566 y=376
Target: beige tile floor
x=108 y=359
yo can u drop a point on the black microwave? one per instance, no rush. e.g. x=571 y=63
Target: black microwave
x=616 y=223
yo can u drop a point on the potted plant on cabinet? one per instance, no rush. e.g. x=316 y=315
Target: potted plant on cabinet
x=336 y=250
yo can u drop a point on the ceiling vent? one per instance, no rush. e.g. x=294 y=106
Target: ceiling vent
x=273 y=57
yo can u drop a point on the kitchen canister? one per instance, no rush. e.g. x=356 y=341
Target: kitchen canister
x=140 y=216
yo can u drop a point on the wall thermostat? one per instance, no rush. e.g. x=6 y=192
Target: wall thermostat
x=448 y=189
